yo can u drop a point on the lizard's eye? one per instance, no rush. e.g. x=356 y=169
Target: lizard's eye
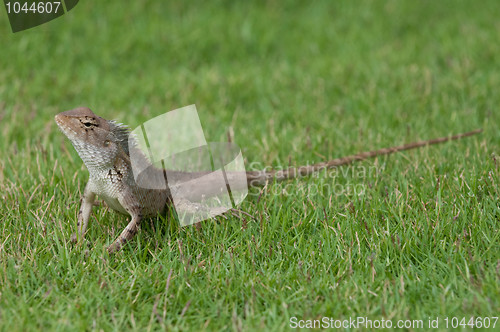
x=107 y=142
x=88 y=122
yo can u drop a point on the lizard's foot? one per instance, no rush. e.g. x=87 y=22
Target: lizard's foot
x=114 y=247
x=75 y=238
x=117 y=245
x=79 y=240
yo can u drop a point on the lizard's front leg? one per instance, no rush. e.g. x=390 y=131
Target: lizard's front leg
x=84 y=213
x=133 y=207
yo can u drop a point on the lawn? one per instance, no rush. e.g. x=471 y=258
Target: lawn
x=412 y=236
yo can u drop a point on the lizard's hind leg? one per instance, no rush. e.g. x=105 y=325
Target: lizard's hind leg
x=130 y=203
x=127 y=234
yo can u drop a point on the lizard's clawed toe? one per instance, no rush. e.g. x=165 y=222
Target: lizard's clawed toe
x=113 y=248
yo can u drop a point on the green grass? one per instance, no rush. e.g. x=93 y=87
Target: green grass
x=296 y=82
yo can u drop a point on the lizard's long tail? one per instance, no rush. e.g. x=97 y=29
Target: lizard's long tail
x=259 y=178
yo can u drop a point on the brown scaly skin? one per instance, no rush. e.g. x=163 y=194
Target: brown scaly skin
x=103 y=147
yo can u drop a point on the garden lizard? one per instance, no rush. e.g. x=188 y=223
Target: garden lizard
x=104 y=148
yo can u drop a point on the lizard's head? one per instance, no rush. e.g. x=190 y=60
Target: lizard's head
x=97 y=140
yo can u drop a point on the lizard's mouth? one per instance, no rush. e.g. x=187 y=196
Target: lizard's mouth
x=62 y=126
x=59 y=120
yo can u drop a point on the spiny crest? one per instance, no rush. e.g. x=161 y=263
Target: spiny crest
x=121 y=132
